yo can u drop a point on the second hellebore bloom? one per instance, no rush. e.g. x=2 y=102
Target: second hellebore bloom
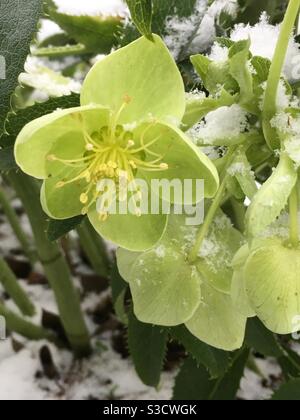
x=122 y=131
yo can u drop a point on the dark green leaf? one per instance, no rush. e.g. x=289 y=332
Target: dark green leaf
x=58 y=228
x=118 y=285
x=227 y=388
x=262 y=340
x=18 y=24
x=7 y=160
x=16 y=121
x=141 y=14
x=288 y=392
x=290 y=364
x=147 y=346
x=98 y=34
x=193 y=382
x=216 y=361
x=262 y=68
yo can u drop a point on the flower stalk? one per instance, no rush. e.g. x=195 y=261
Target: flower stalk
x=213 y=208
x=270 y=100
x=55 y=266
x=94 y=248
x=15 y=291
x=23 y=327
x=13 y=219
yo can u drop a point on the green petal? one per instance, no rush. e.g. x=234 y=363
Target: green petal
x=273 y=287
x=37 y=138
x=125 y=261
x=239 y=296
x=164 y=287
x=185 y=161
x=145 y=72
x=217 y=322
x=217 y=252
x=62 y=203
x=129 y=231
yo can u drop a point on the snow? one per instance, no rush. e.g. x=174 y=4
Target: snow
x=206 y=33
x=92 y=7
x=180 y=30
x=47 y=80
x=224 y=123
x=290 y=129
x=264 y=37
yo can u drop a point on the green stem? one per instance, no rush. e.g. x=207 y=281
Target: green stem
x=15 y=224
x=94 y=248
x=23 y=327
x=15 y=291
x=55 y=266
x=56 y=52
x=294 y=221
x=213 y=209
x=270 y=101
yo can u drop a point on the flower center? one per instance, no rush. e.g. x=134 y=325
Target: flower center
x=111 y=154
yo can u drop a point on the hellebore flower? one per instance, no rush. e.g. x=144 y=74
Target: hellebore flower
x=124 y=130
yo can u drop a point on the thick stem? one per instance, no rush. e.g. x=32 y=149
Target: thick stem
x=294 y=221
x=15 y=291
x=13 y=219
x=94 y=248
x=55 y=266
x=23 y=327
x=270 y=100
x=212 y=210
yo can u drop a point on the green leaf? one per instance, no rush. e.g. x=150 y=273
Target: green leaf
x=7 y=159
x=59 y=228
x=289 y=363
x=196 y=109
x=136 y=74
x=288 y=392
x=239 y=70
x=14 y=46
x=229 y=385
x=164 y=12
x=16 y=121
x=118 y=290
x=272 y=198
x=141 y=14
x=242 y=171
x=216 y=361
x=262 y=340
x=147 y=346
x=262 y=67
x=193 y=382
x=97 y=33
x=201 y=64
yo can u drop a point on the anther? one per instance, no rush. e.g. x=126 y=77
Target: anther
x=164 y=166
x=84 y=198
x=132 y=164
x=89 y=147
